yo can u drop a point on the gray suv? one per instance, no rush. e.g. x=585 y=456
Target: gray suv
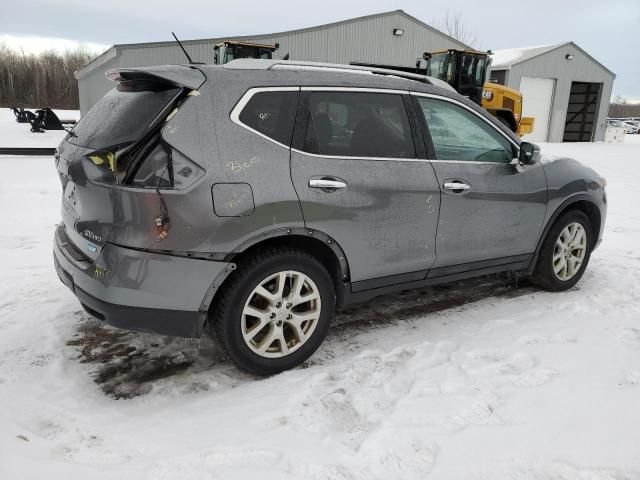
x=258 y=197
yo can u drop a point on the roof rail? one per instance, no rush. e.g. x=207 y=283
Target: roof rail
x=338 y=67
x=263 y=64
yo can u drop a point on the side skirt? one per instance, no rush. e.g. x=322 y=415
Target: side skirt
x=362 y=291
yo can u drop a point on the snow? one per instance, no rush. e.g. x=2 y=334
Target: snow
x=484 y=379
x=510 y=56
x=14 y=134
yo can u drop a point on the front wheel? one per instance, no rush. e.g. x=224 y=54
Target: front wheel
x=274 y=311
x=565 y=252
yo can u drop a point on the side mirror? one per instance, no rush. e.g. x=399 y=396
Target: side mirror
x=529 y=153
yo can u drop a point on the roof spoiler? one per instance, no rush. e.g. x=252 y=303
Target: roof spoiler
x=178 y=75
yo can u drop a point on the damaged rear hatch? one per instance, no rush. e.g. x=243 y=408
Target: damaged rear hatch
x=118 y=145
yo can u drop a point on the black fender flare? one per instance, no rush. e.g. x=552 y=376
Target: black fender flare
x=281 y=232
x=578 y=197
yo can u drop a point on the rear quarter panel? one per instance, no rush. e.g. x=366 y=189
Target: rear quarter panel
x=230 y=154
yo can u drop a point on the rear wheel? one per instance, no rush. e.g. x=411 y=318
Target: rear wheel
x=565 y=252
x=274 y=311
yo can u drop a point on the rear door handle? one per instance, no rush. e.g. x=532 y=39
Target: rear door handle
x=456 y=186
x=326 y=184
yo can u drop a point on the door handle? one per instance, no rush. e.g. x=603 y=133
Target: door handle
x=326 y=184
x=456 y=186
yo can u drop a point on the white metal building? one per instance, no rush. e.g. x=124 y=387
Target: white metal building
x=390 y=38
x=564 y=88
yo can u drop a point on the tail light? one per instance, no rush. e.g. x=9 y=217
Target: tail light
x=166 y=168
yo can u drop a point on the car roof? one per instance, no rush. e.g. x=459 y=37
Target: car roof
x=293 y=72
x=282 y=73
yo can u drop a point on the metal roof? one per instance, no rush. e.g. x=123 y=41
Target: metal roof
x=506 y=58
x=503 y=59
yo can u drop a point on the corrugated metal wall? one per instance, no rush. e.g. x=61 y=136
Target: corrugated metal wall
x=581 y=68
x=369 y=39
x=151 y=54
x=94 y=85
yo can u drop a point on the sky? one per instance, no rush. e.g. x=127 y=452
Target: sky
x=608 y=30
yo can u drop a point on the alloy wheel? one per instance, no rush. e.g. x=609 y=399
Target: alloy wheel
x=569 y=251
x=281 y=314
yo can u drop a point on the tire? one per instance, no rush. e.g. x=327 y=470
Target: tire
x=548 y=272
x=506 y=123
x=274 y=342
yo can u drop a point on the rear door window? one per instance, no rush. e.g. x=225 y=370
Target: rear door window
x=358 y=124
x=271 y=113
x=122 y=115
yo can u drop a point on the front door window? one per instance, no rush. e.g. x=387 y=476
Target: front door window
x=458 y=134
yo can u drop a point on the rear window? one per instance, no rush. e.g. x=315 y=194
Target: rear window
x=272 y=114
x=122 y=115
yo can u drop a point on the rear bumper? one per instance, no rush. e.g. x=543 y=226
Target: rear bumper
x=138 y=290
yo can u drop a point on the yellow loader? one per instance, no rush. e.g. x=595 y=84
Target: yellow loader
x=467 y=72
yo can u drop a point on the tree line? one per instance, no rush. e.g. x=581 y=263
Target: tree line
x=620 y=108
x=40 y=80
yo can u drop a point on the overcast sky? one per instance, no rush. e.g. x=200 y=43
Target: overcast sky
x=608 y=30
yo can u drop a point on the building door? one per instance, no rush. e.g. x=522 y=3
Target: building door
x=582 y=112
x=537 y=95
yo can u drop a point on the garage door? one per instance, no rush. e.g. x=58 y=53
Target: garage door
x=537 y=94
x=582 y=111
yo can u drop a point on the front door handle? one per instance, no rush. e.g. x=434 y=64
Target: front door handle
x=456 y=186
x=326 y=184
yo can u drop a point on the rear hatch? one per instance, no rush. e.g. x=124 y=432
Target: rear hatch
x=109 y=142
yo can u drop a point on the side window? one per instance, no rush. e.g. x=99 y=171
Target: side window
x=458 y=134
x=272 y=113
x=358 y=124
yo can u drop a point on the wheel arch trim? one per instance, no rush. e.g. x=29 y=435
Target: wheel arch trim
x=576 y=198
x=283 y=232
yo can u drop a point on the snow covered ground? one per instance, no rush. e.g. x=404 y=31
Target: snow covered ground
x=13 y=134
x=483 y=379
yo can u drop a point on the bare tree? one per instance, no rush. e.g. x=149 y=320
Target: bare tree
x=45 y=80
x=619 y=99
x=453 y=25
x=621 y=108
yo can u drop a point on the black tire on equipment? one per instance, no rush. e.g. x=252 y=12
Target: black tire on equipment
x=505 y=122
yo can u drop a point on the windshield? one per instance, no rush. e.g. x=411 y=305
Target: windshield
x=122 y=115
x=238 y=51
x=442 y=66
x=472 y=70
